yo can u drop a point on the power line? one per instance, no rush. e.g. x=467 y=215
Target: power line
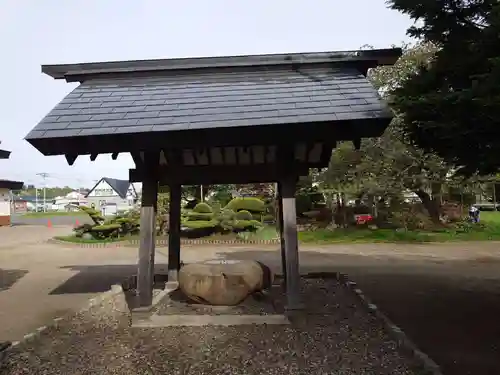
x=44 y=175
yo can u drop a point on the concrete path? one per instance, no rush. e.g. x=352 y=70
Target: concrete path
x=40 y=281
x=68 y=220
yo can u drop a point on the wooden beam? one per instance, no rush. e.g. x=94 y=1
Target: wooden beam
x=326 y=154
x=291 y=244
x=209 y=156
x=175 y=159
x=279 y=197
x=285 y=158
x=174 y=233
x=357 y=143
x=223 y=154
x=145 y=274
x=251 y=152
x=213 y=137
x=220 y=174
x=139 y=163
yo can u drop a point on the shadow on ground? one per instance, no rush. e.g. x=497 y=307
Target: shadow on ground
x=98 y=279
x=9 y=277
x=450 y=309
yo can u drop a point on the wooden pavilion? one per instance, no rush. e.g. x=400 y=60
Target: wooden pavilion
x=240 y=119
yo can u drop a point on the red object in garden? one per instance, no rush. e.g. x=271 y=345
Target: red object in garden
x=363 y=219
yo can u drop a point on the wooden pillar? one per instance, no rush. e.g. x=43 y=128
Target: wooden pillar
x=494 y=196
x=291 y=243
x=174 y=233
x=145 y=273
x=279 y=197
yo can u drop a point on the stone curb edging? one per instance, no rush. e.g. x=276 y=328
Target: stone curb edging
x=123 y=243
x=93 y=302
x=230 y=242
x=429 y=366
x=98 y=244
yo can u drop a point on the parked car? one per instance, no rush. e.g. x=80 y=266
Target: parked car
x=487 y=206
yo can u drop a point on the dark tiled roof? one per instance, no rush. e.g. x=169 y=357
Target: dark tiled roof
x=120 y=186
x=213 y=99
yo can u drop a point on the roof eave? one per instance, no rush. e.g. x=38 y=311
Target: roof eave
x=4 y=154
x=11 y=185
x=70 y=71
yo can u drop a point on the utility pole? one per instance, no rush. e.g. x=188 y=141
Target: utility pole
x=44 y=176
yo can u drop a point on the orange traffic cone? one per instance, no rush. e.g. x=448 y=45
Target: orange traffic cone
x=49 y=223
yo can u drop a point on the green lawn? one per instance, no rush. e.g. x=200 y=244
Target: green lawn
x=487 y=230
x=490 y=216
x=74 y=239
x=53 y=213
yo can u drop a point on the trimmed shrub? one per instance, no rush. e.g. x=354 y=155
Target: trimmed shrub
x=106 y=231
x=268 y=218
x=82 y=229
x=227 y=214
x=198 y=224
x=246 y=203
x=197 y=216
x=128 y=225
x=94 y=214
x=101 y=229
x=202 y=208
x=105 y=227
x=256 y=216
x=244 y=215
x=199 y=228
x=246 y=225
x=226 y=218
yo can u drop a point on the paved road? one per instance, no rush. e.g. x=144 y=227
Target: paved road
x=445 y=296
x=70 y=220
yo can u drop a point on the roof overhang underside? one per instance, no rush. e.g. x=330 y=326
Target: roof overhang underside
x=214 y=106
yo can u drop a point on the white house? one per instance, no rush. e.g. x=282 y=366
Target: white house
x=110 y=195
x=73 y=199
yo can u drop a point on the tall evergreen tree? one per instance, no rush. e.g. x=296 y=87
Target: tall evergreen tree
x=451 y=106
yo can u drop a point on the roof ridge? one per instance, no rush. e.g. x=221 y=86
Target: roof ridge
x=66 y=71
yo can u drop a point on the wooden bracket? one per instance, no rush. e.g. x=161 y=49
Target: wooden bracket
x=70 y=158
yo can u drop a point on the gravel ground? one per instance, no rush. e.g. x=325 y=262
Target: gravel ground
x=335 y=336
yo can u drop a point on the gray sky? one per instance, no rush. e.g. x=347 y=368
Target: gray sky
x=35 y=32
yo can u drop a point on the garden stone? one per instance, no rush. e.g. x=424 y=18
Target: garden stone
x=87 y=236
x=223 y=282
